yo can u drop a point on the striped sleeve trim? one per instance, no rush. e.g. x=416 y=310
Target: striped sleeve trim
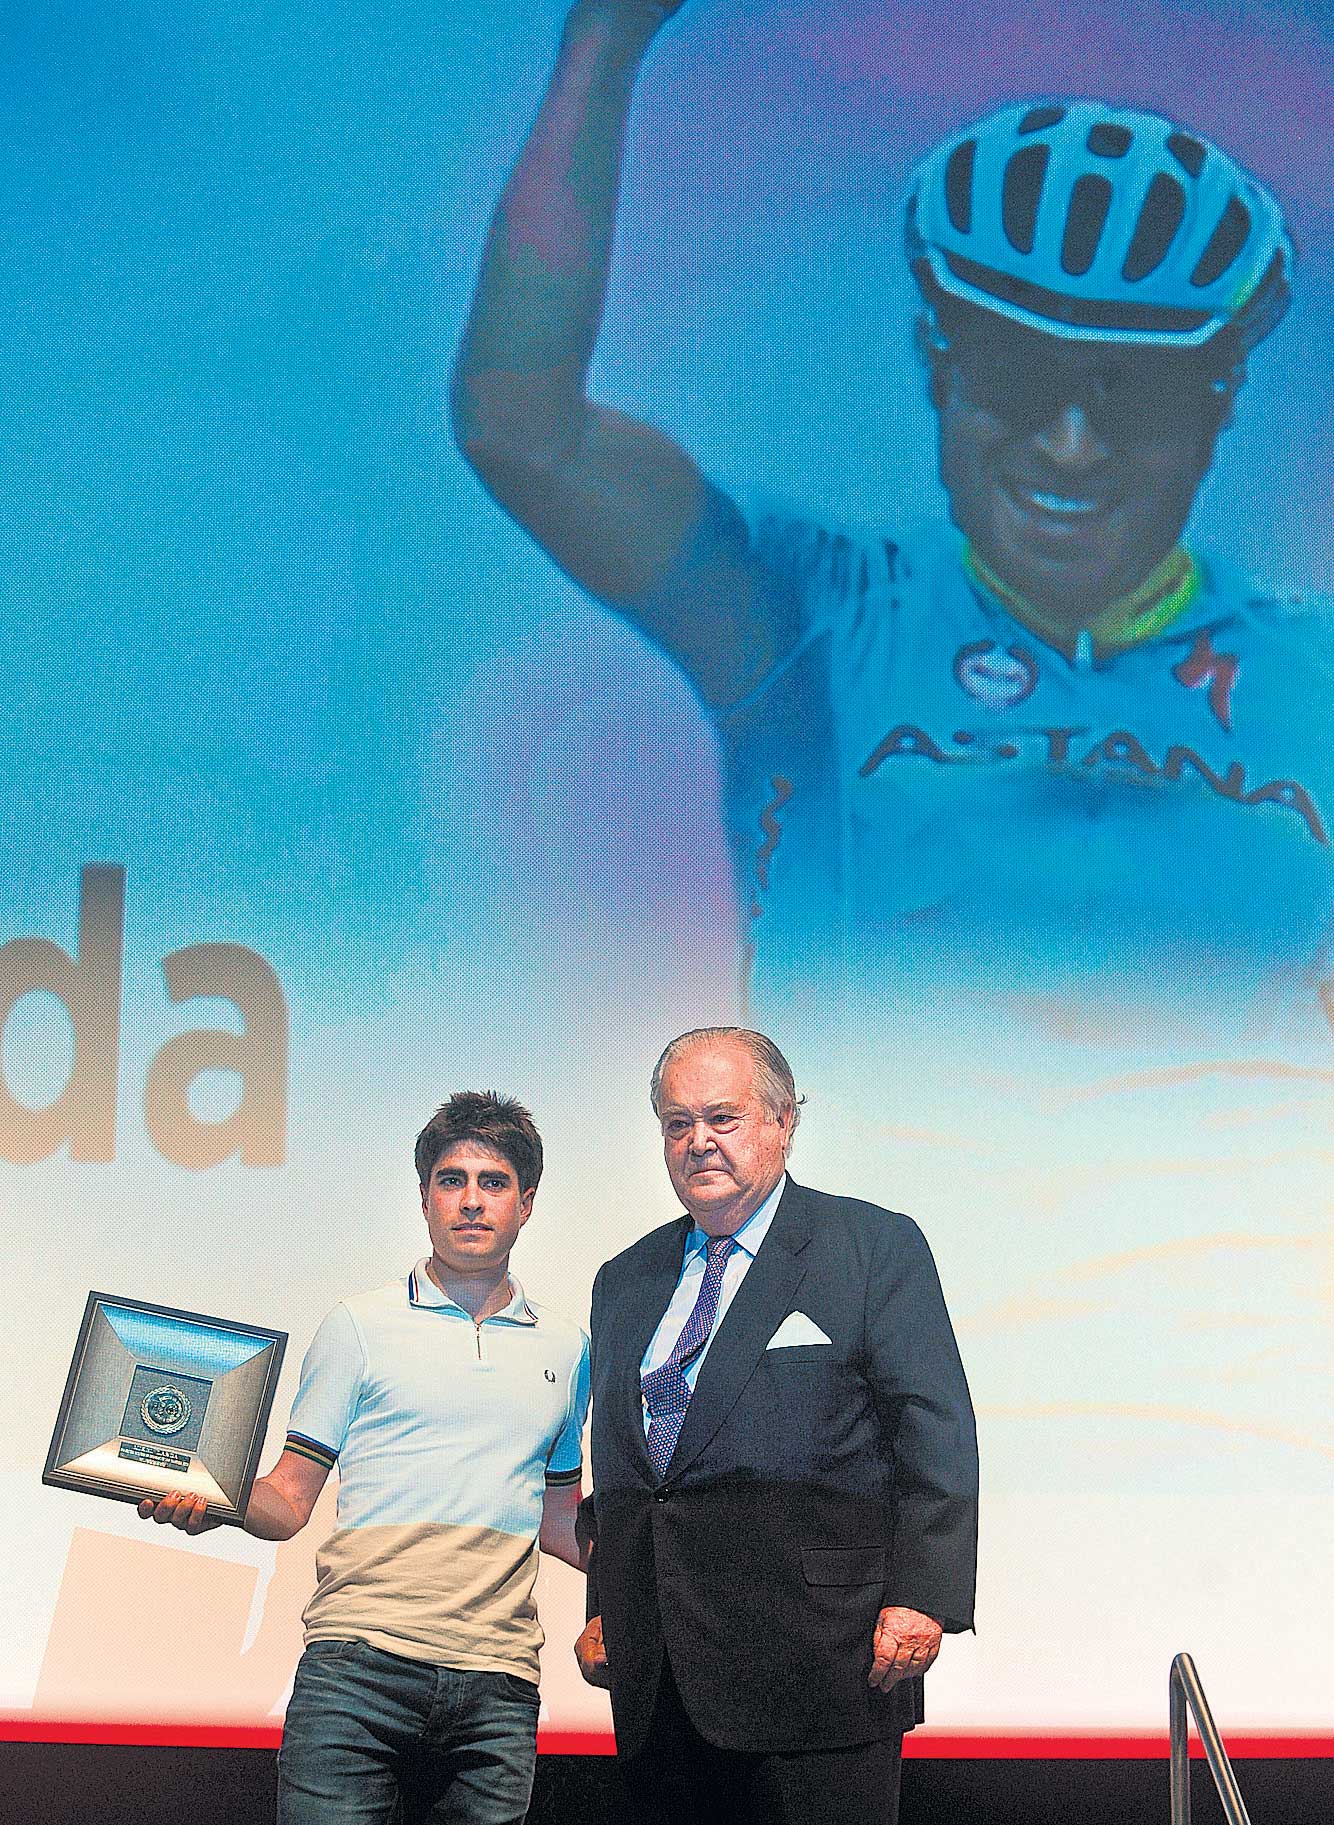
x=311 y=1448
x=559 y=1479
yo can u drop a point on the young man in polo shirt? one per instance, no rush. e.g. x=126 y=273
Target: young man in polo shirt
x=454 y=1410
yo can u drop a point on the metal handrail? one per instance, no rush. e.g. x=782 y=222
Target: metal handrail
x=1184 y=1689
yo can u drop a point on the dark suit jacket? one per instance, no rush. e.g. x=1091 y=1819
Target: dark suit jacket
x=811 y=1485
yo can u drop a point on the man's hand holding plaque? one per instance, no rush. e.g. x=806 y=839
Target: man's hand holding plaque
x=178 y=1508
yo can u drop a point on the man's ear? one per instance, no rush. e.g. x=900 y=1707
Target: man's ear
x=1226 y=387
x=933 y=353
x=789 y=1123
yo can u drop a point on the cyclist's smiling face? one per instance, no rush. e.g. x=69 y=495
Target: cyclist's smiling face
x=1072 y=467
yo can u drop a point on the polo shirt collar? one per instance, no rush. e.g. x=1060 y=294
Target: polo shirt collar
x=423 y=1291
x=751 y=1233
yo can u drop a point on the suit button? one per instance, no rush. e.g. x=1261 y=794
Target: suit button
x=659 y=1495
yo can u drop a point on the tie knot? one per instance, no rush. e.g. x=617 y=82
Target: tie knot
x=720 y=1247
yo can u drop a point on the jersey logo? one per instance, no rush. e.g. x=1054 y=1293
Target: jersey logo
x=994 y=675
x=1203 y=666
x=1120 y=754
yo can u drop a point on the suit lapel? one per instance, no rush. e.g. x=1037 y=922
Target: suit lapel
x=762 y=1300
x=638 y=1312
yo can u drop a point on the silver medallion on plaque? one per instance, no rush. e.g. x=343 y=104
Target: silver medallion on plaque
x=165 y=1409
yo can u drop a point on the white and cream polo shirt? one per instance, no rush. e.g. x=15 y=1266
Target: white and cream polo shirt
x=445 y=1434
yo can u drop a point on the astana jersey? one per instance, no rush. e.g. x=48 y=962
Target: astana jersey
x=929 y=806
x=1046 y=939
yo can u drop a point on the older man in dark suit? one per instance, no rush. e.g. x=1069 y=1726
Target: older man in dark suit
x=784 y=1468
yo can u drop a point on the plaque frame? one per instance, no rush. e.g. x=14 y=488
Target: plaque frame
x=158 y=1398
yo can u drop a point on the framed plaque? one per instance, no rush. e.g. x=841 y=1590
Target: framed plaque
x=158 y=1399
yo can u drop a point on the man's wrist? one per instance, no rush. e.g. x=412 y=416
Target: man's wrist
x=912 y=1609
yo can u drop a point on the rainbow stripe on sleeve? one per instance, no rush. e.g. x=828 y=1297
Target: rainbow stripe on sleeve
x=311 y=1448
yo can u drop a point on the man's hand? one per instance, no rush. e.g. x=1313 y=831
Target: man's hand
x=179 y=1509
x=592 y=1655
x=906 y=1642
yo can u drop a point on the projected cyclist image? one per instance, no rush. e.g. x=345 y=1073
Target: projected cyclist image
x=1086 y=321
x=1042 y=751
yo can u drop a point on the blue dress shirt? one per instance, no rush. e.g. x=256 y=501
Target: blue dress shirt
x=682 y=1302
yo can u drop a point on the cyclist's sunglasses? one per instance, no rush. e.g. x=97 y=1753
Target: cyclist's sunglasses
x=1129 y=395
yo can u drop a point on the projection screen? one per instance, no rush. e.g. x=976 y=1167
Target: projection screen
x=327 y=793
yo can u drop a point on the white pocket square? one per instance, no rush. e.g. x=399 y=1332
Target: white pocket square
x=795 y=1328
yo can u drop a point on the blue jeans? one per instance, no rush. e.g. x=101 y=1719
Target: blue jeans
x=368 y=1732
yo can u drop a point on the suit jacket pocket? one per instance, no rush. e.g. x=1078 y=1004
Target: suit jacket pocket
x=801 y=1352
x=845 y=1564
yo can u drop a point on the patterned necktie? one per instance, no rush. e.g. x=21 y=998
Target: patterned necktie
x=666 y=1389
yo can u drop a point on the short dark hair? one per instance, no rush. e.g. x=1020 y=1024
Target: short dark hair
x=497 y=1122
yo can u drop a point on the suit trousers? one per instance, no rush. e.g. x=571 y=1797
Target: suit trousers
x=680 y=1778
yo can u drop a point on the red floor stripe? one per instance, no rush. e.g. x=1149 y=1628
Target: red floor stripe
x=972 y=1745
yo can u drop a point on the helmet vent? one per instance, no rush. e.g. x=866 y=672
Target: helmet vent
x=959 y=186
x=1090 y=200
x=1161 y=216
x=1020 y=195
x=1225 y=243
x=1187 y=151
x=1037 y=120
x=1108 y=140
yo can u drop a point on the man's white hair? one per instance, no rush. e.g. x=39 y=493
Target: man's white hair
x=774 y=1083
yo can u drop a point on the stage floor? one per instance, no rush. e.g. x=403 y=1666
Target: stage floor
x=72 y=1783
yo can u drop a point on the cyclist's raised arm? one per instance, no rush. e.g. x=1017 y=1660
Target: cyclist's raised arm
x=619 y=506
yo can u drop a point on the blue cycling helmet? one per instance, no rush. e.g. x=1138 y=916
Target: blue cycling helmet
x=1102 y=224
